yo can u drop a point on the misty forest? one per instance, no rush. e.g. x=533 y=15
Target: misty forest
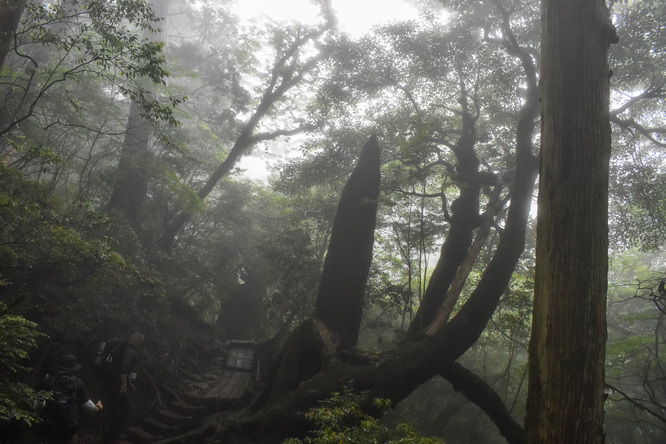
x=446 y=229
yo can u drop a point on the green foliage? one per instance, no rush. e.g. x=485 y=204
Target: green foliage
x=63 y=43
x=342 y=420
x=513 y=319
x=638 y=200
x=634 y=361
x=76 y=271
x=61 y=262
x=386 y=312
x=39 y=234
x=638 y=63
x=17 y=337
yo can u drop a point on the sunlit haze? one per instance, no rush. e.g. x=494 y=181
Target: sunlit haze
x=355 y=16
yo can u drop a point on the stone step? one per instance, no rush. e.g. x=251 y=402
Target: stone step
x=157 y=427
x=140 y=436
x=186 y=409
x=169 y=417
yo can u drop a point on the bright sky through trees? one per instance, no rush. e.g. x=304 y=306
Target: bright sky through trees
x=355 y=16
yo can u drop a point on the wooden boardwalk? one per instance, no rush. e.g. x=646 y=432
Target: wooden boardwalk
x=237 y=373
x=182 y=416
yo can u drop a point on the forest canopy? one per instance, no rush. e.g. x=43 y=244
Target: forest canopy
x=387 y=249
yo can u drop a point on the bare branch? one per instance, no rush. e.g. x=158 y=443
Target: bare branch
x=636 y=403
x=648 y=133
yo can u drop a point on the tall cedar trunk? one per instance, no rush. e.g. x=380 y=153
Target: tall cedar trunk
x=132 y=177
x=11 y=12
x=342 y=287
x=132 y=180
x=567 y=348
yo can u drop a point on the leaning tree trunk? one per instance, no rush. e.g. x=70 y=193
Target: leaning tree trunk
x=315 y=344
x=280 y=82
x=567 y=348
x=342 y=285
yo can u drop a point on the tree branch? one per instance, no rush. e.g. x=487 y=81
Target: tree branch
x=648 y=133
x=486 y=398
x=639 y=405
x=465 y=268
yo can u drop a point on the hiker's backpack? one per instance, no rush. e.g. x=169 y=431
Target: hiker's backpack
x=61 y=413
x=108 y=358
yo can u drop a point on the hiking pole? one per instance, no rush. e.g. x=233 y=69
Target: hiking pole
x=100 y=431
x=100 y=426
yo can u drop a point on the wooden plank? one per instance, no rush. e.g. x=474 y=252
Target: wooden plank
x=236 y=377
x=237 y=385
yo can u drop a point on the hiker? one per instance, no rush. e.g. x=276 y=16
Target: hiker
x=61 y=413
x=115 y=389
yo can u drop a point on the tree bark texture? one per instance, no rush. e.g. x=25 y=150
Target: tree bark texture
x=342 y=286
x=567 y=347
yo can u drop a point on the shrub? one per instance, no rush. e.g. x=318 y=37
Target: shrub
x=341 y=420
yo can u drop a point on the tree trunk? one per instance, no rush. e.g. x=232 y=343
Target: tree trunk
x=133 y=176
x=317 y=343
x=11 y=12
x=567 y=348
x=464 y=220
x=342 y=285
